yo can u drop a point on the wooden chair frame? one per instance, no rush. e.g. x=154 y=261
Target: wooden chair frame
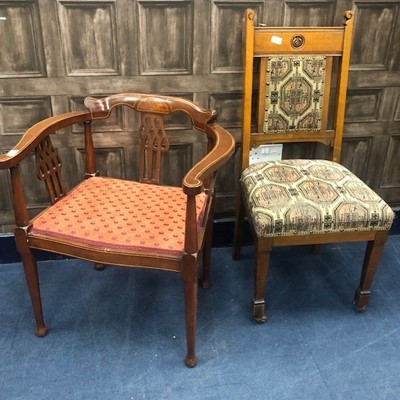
x=333 y=42
x=200 y=178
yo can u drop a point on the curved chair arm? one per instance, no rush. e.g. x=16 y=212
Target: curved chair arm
x=221 y=152
x=34 y=135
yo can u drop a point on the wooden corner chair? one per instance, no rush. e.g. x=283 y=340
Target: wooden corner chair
x=118 y=222
x=289 y=96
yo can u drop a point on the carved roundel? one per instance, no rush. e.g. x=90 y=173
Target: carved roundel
x=297 y=41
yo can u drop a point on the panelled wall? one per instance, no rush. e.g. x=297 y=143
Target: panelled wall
x=54 y=53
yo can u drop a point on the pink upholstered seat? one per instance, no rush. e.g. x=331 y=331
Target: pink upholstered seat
x=118 y=214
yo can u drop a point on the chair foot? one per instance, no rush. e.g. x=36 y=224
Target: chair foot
x=236 y=253
x=41 y=331
x=361 y=300
x=259 y=311
x=205 y=284
x=99 y=267
x=191 y=361
x=315 y=249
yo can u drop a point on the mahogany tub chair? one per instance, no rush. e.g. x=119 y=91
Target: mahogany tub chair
x=119 y=222
x=290 y=96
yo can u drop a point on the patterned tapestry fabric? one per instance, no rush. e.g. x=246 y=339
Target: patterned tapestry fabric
x=294 y=93
x=289 y=197
x=118 y=214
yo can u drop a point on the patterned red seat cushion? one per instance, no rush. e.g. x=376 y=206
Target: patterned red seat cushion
x=118 y=214
x=300 y=197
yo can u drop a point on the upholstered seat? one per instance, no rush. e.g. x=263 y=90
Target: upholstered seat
x=120 y=215
x=302 y=197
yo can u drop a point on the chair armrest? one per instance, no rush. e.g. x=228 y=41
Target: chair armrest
x=223 y=149
x=34 y=135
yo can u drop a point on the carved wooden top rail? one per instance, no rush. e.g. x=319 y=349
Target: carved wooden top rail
x=304 y=40
x=101 y=108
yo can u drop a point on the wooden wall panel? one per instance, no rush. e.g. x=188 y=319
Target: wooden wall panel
x=363 y=105
x=396 y=114
x=356 y=153
x=165 y=37
x=22 y=44
x=19 y=114
x=228 y=107
x=36 y=195
x=382 y=19
x=320 y=13
x=6 y=213
x=226 y=33
x=373 y=92
x=173 y=168
x=391 y=174
x=110 y=161
x=58 y=52
x=89 y=39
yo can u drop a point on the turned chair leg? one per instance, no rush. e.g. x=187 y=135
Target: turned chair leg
x=372 y=258
x=190 y=275
x=32 y=280
x=261 y=268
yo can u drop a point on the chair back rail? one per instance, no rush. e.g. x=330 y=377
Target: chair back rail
x=101 y=108
x=263 y=44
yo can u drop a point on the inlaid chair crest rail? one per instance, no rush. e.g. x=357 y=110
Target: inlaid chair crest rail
x=116 y=221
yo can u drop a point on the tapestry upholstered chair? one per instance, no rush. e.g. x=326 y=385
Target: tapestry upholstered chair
x=119 y=222
x=290 y=96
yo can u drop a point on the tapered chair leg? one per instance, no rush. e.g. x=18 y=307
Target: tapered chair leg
x=372 y=258
x=263 y=250
x=239 y=224
x=32 y=280
x=315 y=249
x=205 y=279
x=189 y=274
